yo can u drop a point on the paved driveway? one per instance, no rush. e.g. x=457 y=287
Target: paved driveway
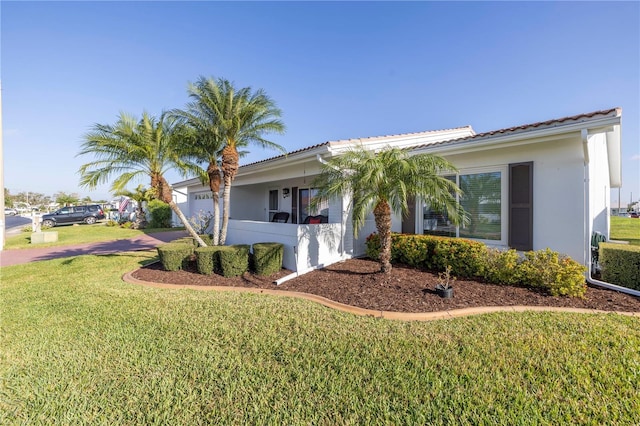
x=142 y=242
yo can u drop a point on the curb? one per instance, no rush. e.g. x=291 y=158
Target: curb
x=402 y=316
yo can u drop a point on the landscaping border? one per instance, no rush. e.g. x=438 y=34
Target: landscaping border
x=402 y=316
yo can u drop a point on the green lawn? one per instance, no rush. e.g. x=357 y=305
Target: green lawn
x=77 y=234
x=626 y=229
x=87 y=348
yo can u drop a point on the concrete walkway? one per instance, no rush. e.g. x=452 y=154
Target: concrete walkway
x=142 y=242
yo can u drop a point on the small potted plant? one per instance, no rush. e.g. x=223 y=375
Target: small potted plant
x=444 y=288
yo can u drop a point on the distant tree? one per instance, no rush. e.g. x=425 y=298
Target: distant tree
x=65 y=199
x=385 y=182
x=132 y=148
x=8 y=199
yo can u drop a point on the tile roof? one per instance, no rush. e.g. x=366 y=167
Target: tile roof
x=533 y=126
x=358 y=140
x=505 y=131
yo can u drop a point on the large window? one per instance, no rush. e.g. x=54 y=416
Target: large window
x=481 y=200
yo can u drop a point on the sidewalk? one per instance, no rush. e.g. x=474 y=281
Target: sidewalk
x=142 y=242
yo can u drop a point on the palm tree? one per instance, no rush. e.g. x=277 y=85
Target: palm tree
x=236 y=118
x=206 y=142
x=139 y=195
x=134 y=148
x=385 y=181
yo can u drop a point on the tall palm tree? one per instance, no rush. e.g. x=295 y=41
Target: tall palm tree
x=133 y=148
x=240 y=117
x=385 y=181
x=206 y=143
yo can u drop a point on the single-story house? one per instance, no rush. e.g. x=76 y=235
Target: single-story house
x=529 y=187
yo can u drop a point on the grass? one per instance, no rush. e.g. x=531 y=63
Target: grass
x=625 y=229
x=78 y=234
x=81 y=348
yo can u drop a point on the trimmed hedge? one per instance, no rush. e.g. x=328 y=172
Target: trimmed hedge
x=208 y=259
x=620 y=264
x=175 y=256
x=467 y=258
x=234 y=260
x=267 y=258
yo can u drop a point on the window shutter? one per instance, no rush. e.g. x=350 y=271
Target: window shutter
x=521 y=206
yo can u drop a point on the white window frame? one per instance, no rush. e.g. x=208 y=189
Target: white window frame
x=504 y=203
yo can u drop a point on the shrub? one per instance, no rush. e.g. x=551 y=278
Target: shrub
x=560 y=275
x=111 y=223
x=234 y=260
x=160 y=213
x=201 y=221
x=267 y=258
x=465 y=257
x=175 y=256
x=126 y=224
x=208 y=259
x=620 y=264
x=502 y=266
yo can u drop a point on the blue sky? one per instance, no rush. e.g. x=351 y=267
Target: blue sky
x=337 y=70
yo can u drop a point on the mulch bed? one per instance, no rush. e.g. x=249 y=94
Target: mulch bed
x=357 y=282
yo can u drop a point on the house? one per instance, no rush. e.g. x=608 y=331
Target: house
x=528 y=187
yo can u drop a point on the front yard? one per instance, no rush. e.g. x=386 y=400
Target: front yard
x=87 y=348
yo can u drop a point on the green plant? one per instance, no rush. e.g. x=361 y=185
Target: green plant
x=111 y=222
x=208 y=259
x=175 y=256
x=267 y=258
x=502 y=266
x=127 y=224
x=234 y=260
x=160 y=213
x=621 y=264
x=560 y=275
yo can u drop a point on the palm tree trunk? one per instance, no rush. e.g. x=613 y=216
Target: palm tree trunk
x=230 y=161
x=186 y=223
x=382 y=214
x=214 y=185
x=167 y=197
x=226 y=202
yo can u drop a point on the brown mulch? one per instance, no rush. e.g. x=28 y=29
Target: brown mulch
x=357 y=282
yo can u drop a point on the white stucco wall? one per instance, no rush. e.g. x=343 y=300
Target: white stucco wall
x=558 y=189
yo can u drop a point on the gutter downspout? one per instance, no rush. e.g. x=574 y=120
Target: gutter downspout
x=587 y=226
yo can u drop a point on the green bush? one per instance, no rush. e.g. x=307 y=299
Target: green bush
x=620 y=264
x=208 y=259
x=465 y=257
x=560 y=275
x=160 y=213
x=502 y=267
x=111 y=223
x=175 y=256
x=234 y=260
x=267 y=258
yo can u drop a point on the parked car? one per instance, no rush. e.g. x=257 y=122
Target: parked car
x=635 y=215
x=8 y=211
x=88 y=214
